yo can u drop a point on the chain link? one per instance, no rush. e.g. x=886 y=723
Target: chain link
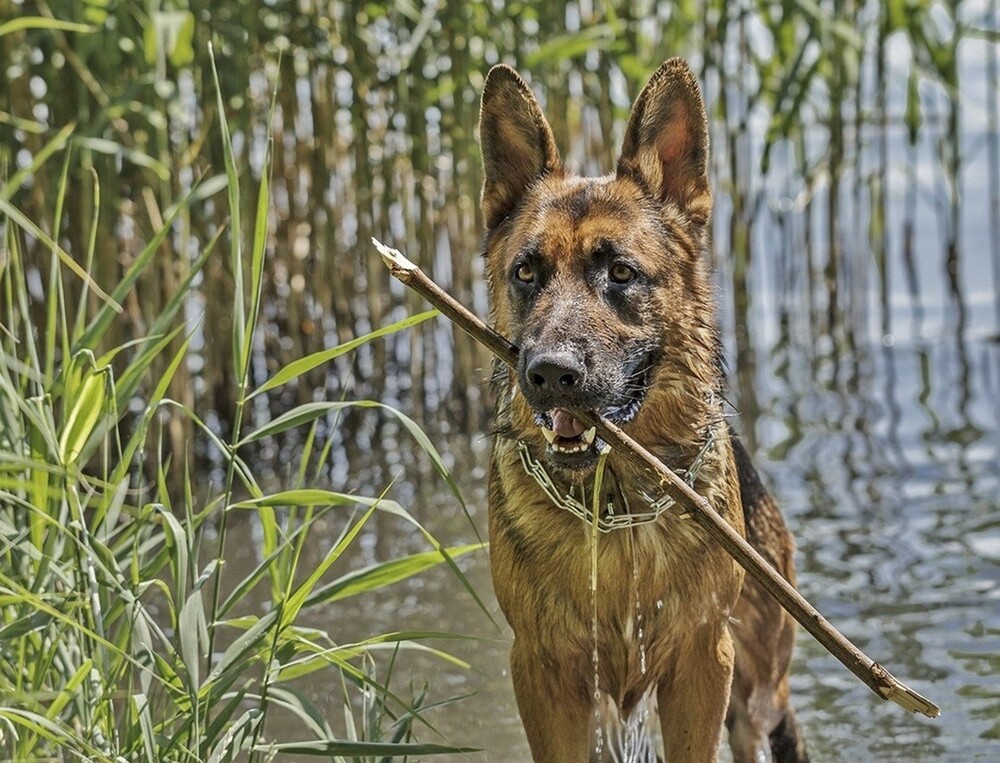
x=610 y=520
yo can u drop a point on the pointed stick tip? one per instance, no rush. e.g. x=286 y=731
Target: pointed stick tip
x=906 y=697
x=393 y=258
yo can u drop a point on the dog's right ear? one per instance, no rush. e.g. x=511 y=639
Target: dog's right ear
x=516 y=140
x=666 y=141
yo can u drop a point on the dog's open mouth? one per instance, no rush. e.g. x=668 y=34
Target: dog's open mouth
x=564 y=433
x=574 y=445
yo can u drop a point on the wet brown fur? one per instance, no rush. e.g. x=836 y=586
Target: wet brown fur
x=698 y=629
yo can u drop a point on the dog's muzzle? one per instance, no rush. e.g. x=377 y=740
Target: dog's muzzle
x=554 y=386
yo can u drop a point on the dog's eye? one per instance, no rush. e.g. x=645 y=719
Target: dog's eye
x=524 y=273
x=621 y=273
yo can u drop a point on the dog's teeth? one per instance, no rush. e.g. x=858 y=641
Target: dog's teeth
x=589 y=435
x=564 y=449
x=549 y=434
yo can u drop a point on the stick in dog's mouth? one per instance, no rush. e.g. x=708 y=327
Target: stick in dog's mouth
x=876 y=677
x=568 y=436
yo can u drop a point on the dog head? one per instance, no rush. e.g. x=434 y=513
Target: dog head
x=601 y=282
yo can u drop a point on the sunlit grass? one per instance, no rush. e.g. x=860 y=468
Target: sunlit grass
x=121 y=638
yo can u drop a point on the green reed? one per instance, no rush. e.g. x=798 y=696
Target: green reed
x=121 y=637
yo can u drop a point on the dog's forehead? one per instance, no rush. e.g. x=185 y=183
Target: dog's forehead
x=565 y=218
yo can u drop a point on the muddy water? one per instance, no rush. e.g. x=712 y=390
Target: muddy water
x=886 y=466
x=887 y=470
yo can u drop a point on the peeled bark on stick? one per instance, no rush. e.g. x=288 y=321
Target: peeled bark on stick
x=873 y=675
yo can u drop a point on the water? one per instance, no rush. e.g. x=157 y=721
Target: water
x=887 y=469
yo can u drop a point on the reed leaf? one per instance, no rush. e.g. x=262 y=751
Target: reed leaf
x=22 y=23
x=236 y=232
x=298 y=367
x=29 y=227
x=383 y=574
x=326 y=748
x=309 y=412
x=55 y=144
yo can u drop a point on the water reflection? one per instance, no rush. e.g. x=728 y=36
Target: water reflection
x=891 y=484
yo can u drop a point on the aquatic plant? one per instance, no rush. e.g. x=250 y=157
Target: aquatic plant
x=123 y=636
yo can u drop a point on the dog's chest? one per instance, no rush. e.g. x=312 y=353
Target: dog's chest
x=551 y=569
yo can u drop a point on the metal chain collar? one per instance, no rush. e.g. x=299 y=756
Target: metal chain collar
x=609 y=520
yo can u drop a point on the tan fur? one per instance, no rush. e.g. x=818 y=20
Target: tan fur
x=668 y=578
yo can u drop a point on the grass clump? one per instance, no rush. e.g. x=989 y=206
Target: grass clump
x=118 y=639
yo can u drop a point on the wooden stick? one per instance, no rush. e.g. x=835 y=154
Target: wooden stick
x=877 y=678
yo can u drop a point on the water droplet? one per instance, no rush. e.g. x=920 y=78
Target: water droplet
x=638 y=607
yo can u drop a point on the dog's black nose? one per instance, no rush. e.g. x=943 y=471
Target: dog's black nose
x=555 y=371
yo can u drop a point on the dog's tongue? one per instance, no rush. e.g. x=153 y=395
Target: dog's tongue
x=564 y=425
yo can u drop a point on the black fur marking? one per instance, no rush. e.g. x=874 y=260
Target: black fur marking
x=752 y=490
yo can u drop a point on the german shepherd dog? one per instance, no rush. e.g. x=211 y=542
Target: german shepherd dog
x=604 y=286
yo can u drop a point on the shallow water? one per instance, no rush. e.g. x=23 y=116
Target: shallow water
x=882 y=445
x=885 y=460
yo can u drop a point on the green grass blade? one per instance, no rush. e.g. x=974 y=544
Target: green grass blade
x=257 y=252
x=56 y=312
x=152 y=405
x=99 y=322
x=25 y=224
x=117 y=150
x=83 y=416
x=42 y=22
x=384 y=574
x=466 y=583
x=55 y=144
x=140 y=706
x=236 y=232
x=302 y=591
x=193 y=632
x=309 y=497
x=325 y=748
x=308 y=412
x=237 y=739
x=249 y=641
x=300 y=366
x=302 y=707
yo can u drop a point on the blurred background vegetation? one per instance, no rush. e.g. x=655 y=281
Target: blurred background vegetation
x=375 y=135
x=856 y=161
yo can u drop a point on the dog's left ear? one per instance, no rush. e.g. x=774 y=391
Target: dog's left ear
x=666 y=141
x=516 y=141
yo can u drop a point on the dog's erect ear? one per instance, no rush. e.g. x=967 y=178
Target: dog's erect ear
x=666 y=142
x=516 y=141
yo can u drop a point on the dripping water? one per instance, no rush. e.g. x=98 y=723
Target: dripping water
x=640 y=633
x=633 y=740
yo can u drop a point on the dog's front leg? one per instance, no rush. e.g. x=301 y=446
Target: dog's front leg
x=692 y=702
x=556 y=712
